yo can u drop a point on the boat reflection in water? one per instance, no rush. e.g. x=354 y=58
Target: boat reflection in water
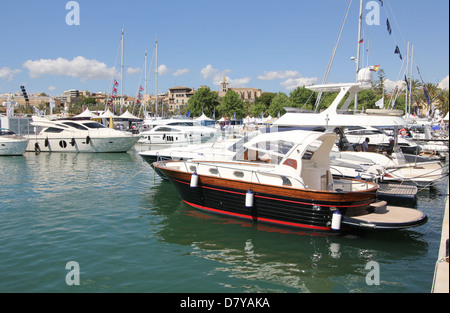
x=284 y=179
x=251 y=257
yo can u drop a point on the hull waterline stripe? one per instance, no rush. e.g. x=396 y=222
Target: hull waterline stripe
x=258 y=219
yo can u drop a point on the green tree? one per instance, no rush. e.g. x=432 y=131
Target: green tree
x=378 y=85
x=231 y=104
x=302 y=96
x=280 y=101
x=203 y=100
x=262 y=104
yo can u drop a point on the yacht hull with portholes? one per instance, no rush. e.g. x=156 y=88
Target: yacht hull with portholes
x=78 y=137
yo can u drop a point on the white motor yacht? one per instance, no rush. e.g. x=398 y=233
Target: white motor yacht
x=11 y=143
x=175 y=132
x=71 y=135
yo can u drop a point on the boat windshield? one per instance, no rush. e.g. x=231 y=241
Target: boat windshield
x=268 y=151
x=53 y=130
x=94 y=125
x=75 y=125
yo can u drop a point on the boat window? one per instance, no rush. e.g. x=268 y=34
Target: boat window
x=181 y=124
x=75 y=125
x=53 y=130
x=311 y=149
x=94 y=125
x=165 y=129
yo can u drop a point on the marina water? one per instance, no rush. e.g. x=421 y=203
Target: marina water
x=128 y=231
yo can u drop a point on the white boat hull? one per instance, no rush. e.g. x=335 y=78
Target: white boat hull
x=13 y=147
x=81 y=144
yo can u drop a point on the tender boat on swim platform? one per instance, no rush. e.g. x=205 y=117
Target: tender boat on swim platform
x=285 y=179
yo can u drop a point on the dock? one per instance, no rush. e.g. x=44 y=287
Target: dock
x=441 y=274
x=390 y=191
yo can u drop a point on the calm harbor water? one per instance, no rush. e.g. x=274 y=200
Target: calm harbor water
x=129 y=232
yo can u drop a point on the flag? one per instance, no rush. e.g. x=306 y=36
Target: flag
x=397 y=51
x=140 y=88
x=361 y=41
x=116 y=83
x=114 y=89
x=425 y=91
x=380 y=103
x=407 y=84
x=389 y=29
x=375 y=68
x=381 y=2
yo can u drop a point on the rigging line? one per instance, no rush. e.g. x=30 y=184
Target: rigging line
x=332 y=57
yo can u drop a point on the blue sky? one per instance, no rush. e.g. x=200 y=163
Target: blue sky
x=272 y=45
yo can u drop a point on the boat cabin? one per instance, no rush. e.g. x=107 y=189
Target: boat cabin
x=301 y=154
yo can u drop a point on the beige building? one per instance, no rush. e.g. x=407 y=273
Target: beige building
x=249 y=94
x=178 y=97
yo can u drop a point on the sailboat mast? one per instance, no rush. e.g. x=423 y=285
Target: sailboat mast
x=407 y=83
x=358 y=50
x=156 y=72
x=410 y=80
x=145 y=85
x=121 y=76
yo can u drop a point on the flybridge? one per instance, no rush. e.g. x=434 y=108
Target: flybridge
x=330 y=118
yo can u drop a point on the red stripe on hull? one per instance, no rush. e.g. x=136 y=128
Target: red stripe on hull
x=259 y=219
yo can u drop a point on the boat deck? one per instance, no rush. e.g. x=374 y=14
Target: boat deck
x=397 y=191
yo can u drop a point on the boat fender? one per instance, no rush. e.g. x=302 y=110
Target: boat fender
x=46 y=142
x=37 y=149
x=336 y=220
x=194 y=180
x=249 y=199
x=88 y=140
x=72 y=142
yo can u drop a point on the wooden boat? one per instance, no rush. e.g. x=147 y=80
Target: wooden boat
x=284 y=179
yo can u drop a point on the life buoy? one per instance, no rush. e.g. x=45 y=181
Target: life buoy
x=403 y=132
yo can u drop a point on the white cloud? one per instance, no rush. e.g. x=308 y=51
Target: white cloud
x=132 y=71
x=279 y=75
x=444 y=83
x=390 y=85
x=181 y=72
x=8 y=74
x=215 y=75
x=293 y=83
x=163 y=70
x=238 y=82
x=292 y=79
x=79 y=67
x=51 y=88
